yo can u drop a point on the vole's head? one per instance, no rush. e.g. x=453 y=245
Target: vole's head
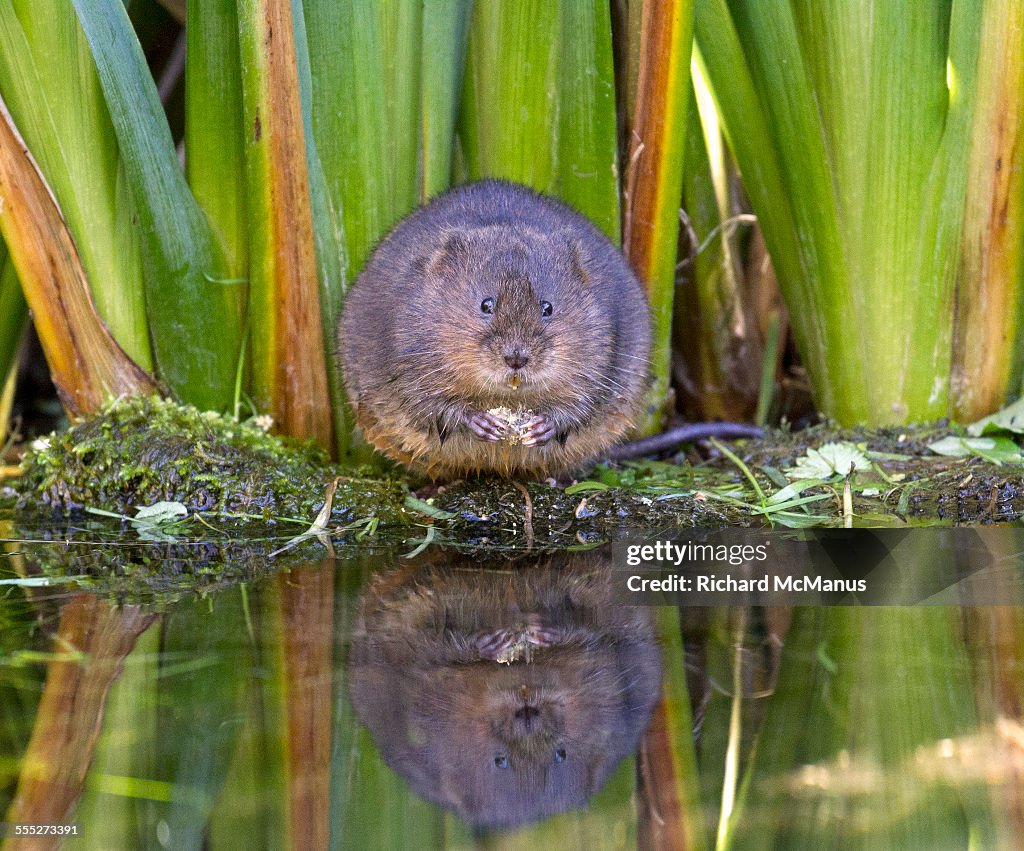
x=517 y=311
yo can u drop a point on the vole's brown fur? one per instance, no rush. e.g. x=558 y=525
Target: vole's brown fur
x=487 y=287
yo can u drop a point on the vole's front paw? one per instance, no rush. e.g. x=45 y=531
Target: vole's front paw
x=486 y=426
x=538 y=431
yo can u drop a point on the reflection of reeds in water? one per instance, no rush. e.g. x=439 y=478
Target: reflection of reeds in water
x=869 y=737
x=90 y=645
x=230 y=717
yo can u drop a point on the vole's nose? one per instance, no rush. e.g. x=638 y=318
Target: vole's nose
x=516 y=358
x=526 y=715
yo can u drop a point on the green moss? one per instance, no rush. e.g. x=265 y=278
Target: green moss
x=140 y=451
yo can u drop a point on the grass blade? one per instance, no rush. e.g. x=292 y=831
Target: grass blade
x=13 y=313
x=49 y=81
x=329 y=238
x=988 y=353
x=86 y=364
x=721 y=56
x=443 y=58
x=654 y=176
x=13 y=319
x=554 y=126
x=214 y=136
x=401 y=29
x=849 y=121
x=716 y=332
x=513 y=49
x=350 y=120
x=588 y=163
x=187 y=301
x=289 y=370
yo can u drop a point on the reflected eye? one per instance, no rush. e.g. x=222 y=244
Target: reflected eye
x=546 y=309
x=501 y=761
x=560 y=755
x=487 y=305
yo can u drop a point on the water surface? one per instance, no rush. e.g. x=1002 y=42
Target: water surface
x=369 y=700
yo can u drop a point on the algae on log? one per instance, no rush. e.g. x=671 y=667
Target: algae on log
x=926 y=489
x=140 y=451
x=143 y=450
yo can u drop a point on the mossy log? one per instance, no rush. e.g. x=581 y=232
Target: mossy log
x=141 y=451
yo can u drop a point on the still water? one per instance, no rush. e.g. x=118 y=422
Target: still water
x=370 y=700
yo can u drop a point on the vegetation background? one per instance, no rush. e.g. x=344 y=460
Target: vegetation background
x=819 y=196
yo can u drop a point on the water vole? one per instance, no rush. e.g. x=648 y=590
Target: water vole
x=495 y=329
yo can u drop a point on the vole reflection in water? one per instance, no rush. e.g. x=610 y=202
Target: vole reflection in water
x=505 y=692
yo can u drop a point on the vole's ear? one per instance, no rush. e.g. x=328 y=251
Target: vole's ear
x=578 y=258
x=450 y=258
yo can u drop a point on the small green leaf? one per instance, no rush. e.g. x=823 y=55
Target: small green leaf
x=423 y=544
x=588 y=485
x=960 y=447
x=443 y=58
x=159 y=513
x=616 y=478
x=826 y=661
x=1009 y=419
x=779 y=508
x=791 y=520
x=41 y=581
x=214 y=131
x=832 y=459
x=776 y=476
x=887 y=456
x=998 y=450
x=421 y=507
x=794 y=490
x=99 y=512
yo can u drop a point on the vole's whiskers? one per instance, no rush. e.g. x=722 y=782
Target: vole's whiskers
x=640 y=358
x=468 y=350
x=423 y=376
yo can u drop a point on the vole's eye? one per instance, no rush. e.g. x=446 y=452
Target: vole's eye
x=546 y=309
x=559 y=754
x=487 y=305
x=501 y=761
